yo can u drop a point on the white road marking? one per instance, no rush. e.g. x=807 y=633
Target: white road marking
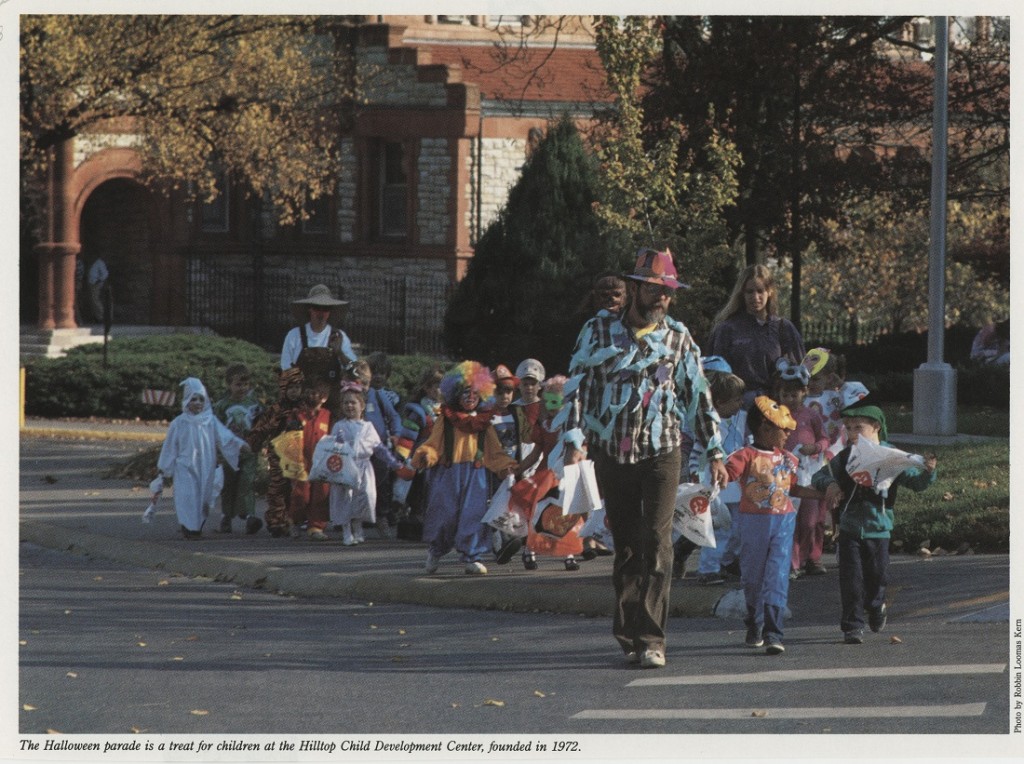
x=855 y=712
x=816 y=674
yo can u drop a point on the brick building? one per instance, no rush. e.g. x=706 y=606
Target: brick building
x=434 y=151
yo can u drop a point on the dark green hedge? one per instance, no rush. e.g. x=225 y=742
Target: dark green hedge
x=77 y=384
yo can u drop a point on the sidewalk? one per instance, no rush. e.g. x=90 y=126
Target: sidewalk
x=66 y=504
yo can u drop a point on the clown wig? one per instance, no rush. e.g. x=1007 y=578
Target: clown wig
x=467 y=375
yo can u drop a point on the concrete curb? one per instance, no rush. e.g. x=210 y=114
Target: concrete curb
x=484 y=592
x=72 y=434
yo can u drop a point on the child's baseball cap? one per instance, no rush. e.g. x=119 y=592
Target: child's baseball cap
x=531 y=367
x=868 y=412
x=502 y=376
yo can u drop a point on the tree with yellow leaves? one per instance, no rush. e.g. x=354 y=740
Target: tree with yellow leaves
x=263 y=97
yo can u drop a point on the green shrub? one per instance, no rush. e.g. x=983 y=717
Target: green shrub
x=77 y=384
x=977 y=385
x=406 y=371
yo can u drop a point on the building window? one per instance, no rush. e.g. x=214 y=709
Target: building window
x=214 y=213
x=318 y=216
x=505 y=21
x=392 y=191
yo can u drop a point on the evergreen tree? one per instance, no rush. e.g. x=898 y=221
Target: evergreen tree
x=523 y=293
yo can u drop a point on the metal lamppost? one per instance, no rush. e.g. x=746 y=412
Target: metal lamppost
x=935 y=380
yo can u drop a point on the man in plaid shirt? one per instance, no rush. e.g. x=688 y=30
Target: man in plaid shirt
x=633 y=381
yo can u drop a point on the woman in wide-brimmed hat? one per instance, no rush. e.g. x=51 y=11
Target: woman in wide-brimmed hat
x=314 y=316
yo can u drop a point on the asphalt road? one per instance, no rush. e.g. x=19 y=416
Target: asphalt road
x=111 y=649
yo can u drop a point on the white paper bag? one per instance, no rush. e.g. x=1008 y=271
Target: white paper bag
x=875 y=466
x=577 y=489
x=692 y=517
x=333 y=463
x=499 y=501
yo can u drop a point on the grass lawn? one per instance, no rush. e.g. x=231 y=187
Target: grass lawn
x=970 y=500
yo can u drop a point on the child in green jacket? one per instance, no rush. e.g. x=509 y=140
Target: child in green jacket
x=864 y=518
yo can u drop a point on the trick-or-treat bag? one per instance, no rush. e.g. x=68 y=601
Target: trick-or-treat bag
x=288 y=447
x=503 y=514
x=156 y=489
x=596 y=527
x=692 y=517
x=333 y=462
x=577 y=489
x=875 y=466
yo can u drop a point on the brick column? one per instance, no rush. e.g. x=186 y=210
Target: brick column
x=60 y=245
x=57 y=284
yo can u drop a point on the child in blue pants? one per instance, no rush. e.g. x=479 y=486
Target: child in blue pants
x=767 y=477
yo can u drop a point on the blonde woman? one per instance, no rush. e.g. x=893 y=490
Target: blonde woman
x=749 y=333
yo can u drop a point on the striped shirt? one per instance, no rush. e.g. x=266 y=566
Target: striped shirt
x=631 y=394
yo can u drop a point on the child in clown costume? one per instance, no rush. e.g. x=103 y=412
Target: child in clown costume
x=461 y=447
x=189 y=456
x=767 y=475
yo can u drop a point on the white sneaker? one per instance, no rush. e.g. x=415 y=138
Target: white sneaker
x=432 y=563
x=147 y=516
x=652 y=659
x=348 y=540
x=475 y=569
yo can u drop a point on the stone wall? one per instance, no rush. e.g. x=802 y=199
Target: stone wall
x=502 y=164
x=434 y=191
x=390 y=84
x=346 y=189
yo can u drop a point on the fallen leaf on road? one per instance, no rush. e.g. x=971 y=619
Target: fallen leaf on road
x=236 y=596
x=199 y=712
x=401 y=631
x=455 y=705
x=53 y=732
x=373 y=626
x=98 y=578
x=142 y=644
x=92 y=493
x=67 y=612
x=71 y=675
x=136 y=730
x=759 y=714
x=177 y=658
x=947 y=496
x=895 y=640
x=498 y=703
x=398 y=659
x=22 y=641
x=163 y=582
x=495 y=639
x=27 y=707
x=539 y=694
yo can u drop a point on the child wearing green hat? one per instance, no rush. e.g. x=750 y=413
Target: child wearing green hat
x=864 y=517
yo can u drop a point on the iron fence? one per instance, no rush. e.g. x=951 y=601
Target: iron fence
x=832 y=333
x=398 y=314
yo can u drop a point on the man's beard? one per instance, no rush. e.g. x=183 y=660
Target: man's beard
x=653 y=314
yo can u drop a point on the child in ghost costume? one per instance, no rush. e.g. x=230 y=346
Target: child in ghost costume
x=189 y=456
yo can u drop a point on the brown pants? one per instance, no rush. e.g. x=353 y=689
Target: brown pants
x=639 y=500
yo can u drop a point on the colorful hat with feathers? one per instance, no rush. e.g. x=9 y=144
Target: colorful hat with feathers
x=467 y=375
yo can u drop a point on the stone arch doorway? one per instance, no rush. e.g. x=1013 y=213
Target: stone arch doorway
x=119 y=223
